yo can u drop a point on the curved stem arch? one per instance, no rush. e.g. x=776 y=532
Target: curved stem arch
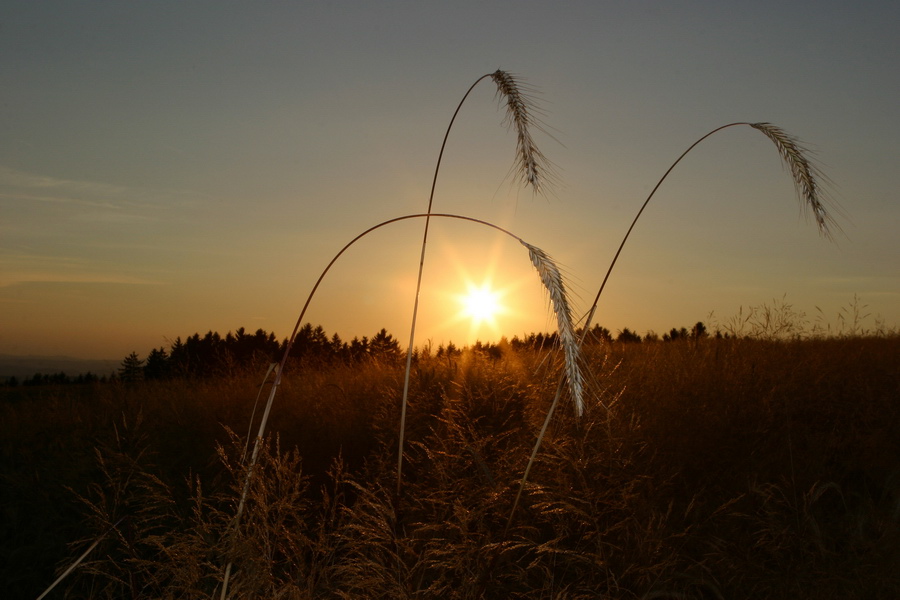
x=590 y=315
x=806 y=177
x=550 y=277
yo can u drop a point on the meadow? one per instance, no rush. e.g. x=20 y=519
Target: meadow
x=761 y=463
x=707 y=468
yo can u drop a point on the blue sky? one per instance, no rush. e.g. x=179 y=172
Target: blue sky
x=170 y=168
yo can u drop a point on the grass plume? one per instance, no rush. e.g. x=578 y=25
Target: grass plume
x=521 y=114
x=553 y=282
x=805 y=174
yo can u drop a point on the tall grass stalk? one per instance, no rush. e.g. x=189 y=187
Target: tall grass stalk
x=550 y=277
x=533 y=168
x=808 y=183
x=80 y=559
x=272 y=367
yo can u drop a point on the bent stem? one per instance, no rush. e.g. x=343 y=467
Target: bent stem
x=804 y=173
x=415 y=312
x=806 y=177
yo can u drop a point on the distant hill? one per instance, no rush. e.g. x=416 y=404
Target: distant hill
x=23 y=367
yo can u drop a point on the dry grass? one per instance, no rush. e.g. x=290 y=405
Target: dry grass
x=553 y=283
x=723 y=468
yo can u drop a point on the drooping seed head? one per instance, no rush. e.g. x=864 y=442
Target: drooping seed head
x=522 y=113
x=807 y=177
x=553 y=282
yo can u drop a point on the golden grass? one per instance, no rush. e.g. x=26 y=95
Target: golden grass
x=740 y=468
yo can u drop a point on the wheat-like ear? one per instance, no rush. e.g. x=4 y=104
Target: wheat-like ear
x=806 y=176
x=553 y=281
x=522 y=114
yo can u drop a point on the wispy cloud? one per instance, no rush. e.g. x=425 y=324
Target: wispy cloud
x=88 y=211
x=16 y=185
x=17 y=268
x=70 y=201
x=862 y=284
x=21 y=179
x=23 y=196
x=55 y=277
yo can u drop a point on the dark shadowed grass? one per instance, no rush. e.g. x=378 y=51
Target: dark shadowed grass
x=736 y=468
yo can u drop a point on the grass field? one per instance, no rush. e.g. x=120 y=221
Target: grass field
x=716 y=468
x=761 y=465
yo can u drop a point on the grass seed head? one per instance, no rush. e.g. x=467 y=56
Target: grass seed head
x=553 y=281
x=807 y=177
x=521 y=113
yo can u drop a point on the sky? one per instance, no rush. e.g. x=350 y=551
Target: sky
x=171 y=167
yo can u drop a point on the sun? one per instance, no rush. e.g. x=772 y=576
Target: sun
x=481 y=304
x=480 y=299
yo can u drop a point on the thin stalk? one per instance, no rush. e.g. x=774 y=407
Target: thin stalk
x=590 y=315
x=415 y=312
x=80 y=559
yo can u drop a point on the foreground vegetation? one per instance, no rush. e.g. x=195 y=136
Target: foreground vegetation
x=705 y=468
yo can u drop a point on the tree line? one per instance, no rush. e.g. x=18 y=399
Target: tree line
x=213 y=355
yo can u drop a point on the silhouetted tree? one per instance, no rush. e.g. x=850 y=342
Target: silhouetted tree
x=179 y=363
x=157 y=366
x=132 y=369
x=311 y=342
x=384 y=347
x=676 y=334
x=628 y=336
x=86 y=378
x=336 y=346
x=699 y=332
x=359 y=349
